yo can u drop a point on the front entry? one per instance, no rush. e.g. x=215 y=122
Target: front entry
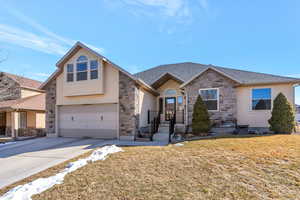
x=170 y=107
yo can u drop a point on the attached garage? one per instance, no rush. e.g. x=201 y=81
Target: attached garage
x=95 y=121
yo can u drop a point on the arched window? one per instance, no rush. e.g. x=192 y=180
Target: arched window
x=170 y=92
x=82 y=59
x=82 y=68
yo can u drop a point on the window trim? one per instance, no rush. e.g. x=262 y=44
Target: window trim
x=73 y=72
x=251 y=99
x=92 y=70
x=88 y=70
x=218 y=97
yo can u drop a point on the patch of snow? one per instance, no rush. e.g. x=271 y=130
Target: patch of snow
x=6 y=143
x=179 y=144
x=26 y=191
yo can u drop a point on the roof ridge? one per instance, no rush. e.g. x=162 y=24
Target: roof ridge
x=263 y=73
x=162 y=65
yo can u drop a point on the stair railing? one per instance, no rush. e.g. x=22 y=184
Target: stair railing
x=172 y=126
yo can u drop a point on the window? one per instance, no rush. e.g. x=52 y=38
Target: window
x=94 y=69
x=261 y=99
x=81 y=68
x=23 y=120
x=170 y=92
x=180 y=103
x=211 y=98
x=70 y=73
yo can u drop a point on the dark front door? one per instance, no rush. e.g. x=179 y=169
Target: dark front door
x=2 y=123
x=170 y=107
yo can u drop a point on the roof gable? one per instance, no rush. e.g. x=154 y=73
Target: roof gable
x=164 y=78
x=24 y=82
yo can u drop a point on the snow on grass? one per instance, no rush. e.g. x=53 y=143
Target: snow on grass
x=6 y=143
x=26 y=191
x=179 y=144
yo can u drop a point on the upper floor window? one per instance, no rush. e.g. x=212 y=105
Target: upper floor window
x=211 y=98
x=82 y=68
x=261 y=99
x=70 y=73
x=170 y=92
x=94 y=69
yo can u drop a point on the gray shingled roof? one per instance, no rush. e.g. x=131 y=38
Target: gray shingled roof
x=186 y=71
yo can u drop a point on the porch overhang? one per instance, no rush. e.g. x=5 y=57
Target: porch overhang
x=164 y=78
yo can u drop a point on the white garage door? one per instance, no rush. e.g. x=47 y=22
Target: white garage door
x=96 y=121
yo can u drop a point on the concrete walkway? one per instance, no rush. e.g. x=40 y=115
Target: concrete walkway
x=24 y=158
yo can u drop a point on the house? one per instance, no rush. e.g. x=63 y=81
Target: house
x=22 y=106
x=90 y=96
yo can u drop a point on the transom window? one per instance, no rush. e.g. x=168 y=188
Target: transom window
x=261 y=99
x=170 y=92
x=211 y=98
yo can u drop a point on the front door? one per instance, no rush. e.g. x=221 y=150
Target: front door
x=170 y=107
x=2 y=123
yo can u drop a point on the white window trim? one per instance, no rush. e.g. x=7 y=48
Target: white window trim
x=218 y=97
x=67 y=73
x=75 y=62
x=251 y=98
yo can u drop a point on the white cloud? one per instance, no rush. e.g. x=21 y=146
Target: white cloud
x=41 y=74
x=30 y=40
x=43 y=40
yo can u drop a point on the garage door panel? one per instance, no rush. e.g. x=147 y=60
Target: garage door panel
x=97 y=121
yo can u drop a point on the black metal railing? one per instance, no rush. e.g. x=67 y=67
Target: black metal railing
x=172 y=126
x=154 y=121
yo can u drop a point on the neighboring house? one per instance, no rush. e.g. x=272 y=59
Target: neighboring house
x=298 y=113
x=22 y=106
x=89 y=96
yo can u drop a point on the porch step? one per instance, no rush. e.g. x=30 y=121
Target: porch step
x=142 y=139
x=161 y=137
x=163 y=129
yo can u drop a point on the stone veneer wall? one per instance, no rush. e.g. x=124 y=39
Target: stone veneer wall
x=128 y=107
x=50 y=107
x=9 y=89
x=227 y=99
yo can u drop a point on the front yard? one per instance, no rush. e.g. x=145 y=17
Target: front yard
x=264 y=167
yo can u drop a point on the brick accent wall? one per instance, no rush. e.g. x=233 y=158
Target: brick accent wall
x=50 y=107
x=128 y=106
x=227 y=91
x=9 y=89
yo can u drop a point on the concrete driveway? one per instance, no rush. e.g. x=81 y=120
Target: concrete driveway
x=25 y=158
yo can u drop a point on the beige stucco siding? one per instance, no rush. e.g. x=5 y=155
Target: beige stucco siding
x=86 y=87
x=31 y=119
x=40 y=120
x=146 y=102
x=170 y=84
x=259 y=118
x=111 y=89
x=28 y=93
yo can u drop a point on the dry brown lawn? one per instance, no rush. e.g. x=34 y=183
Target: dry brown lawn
x=265 y=167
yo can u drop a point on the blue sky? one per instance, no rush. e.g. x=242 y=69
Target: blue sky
x=255 y=35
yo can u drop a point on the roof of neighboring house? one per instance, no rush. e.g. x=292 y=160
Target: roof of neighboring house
x=24 y=82
x=188 y=70
x=36 y=102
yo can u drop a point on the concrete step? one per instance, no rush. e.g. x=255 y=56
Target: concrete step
x=163 y=129
x=161 y=137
